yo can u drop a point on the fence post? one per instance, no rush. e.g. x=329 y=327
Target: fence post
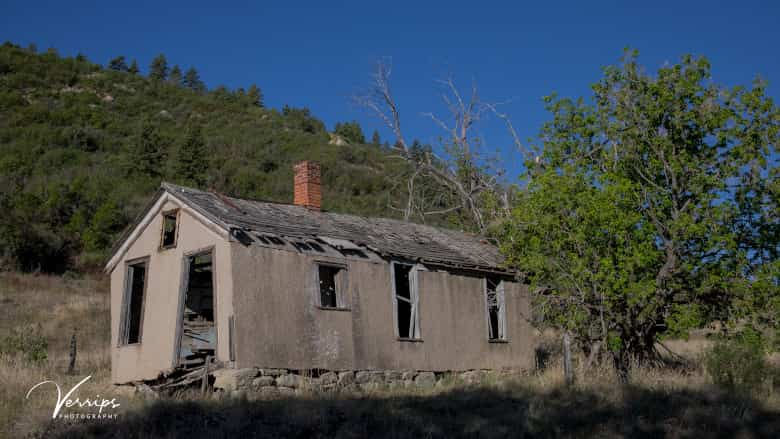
x=568 y=373
x=72 y=363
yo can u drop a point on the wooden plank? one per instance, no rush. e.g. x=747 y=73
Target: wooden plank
x=205 y=379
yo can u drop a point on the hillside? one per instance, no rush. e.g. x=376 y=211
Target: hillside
x=82 y=147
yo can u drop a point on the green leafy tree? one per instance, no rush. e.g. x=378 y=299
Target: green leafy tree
x=133 y=68
x=629 y=227
x=175 y=77
x=350 y=131
x=119 y=64
x=158 y=70
x=255 y=96
x=193 y=82
x=192 y=158
x=105 y=224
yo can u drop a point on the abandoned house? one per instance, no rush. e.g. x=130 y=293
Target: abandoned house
x=270 y=285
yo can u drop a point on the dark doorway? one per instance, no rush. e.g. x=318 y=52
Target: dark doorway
x=198 y=332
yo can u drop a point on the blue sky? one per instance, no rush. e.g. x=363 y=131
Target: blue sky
x=318 y=54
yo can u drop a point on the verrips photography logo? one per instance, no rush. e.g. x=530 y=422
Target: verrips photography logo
x=71 y=406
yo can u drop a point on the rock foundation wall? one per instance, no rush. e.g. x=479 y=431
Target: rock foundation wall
x=257 y=382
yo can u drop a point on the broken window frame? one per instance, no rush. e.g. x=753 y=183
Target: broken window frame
x=499 y=301
x=340 y=287
x=415 y=333
x=165 y=215
x=127 y=296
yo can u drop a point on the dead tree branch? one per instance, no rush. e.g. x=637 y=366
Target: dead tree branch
x=464 y=169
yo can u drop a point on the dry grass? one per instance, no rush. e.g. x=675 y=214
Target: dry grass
x=531 y=406
x=660 y=402
x=59 y=306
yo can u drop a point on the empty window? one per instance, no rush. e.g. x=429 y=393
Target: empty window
x=133 y=304
x=170 y=220
x=301 y=245
x=332 y=282
x=263 y=240
x=274 y=240
x=316 y=247
x=406 y=300
x=353 y=252
x=496 y=309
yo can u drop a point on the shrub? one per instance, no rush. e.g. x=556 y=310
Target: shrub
x=27 y=341
x=738 y=363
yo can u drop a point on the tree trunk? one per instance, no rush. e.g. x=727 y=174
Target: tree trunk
x=568 y=372
x=592 y=354
x=622 y=362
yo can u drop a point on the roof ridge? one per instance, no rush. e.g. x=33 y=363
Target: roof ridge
x=400 y=222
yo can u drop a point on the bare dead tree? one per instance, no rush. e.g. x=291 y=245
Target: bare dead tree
x=464 y=169
x=379 y=99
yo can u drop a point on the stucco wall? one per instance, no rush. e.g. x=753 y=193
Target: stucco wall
x=155 y=352
x=277 y=320
x=278 y=323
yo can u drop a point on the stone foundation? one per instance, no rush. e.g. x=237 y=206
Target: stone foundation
x=261 y=383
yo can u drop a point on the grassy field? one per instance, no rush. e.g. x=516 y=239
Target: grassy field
x=57 y=307
x=660 y=402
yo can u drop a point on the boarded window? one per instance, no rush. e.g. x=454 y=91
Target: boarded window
x=332 y=283
x=496 y=309
x=170 y=222
x=406 y=299
x=133 y=303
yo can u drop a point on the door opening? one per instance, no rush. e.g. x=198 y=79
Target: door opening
x=198 y=332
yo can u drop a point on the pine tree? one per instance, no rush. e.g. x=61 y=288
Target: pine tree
x=222 y=93
x=133 y=68
x=255 y=96
x=118 y=64
x=192 y=81
x=147 y=154
x=175 y=76
x=191 y=166
x=158 y=70
x=375 y=140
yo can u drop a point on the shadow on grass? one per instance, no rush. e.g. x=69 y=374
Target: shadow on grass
x=475 y=412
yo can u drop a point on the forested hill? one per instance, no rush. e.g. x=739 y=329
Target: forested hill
x=83 y=147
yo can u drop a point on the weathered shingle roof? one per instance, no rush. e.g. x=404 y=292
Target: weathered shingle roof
x=387 y=237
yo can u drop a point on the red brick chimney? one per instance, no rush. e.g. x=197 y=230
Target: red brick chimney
x=308 y=191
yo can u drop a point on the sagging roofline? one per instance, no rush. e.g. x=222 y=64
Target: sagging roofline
x=230 y=232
